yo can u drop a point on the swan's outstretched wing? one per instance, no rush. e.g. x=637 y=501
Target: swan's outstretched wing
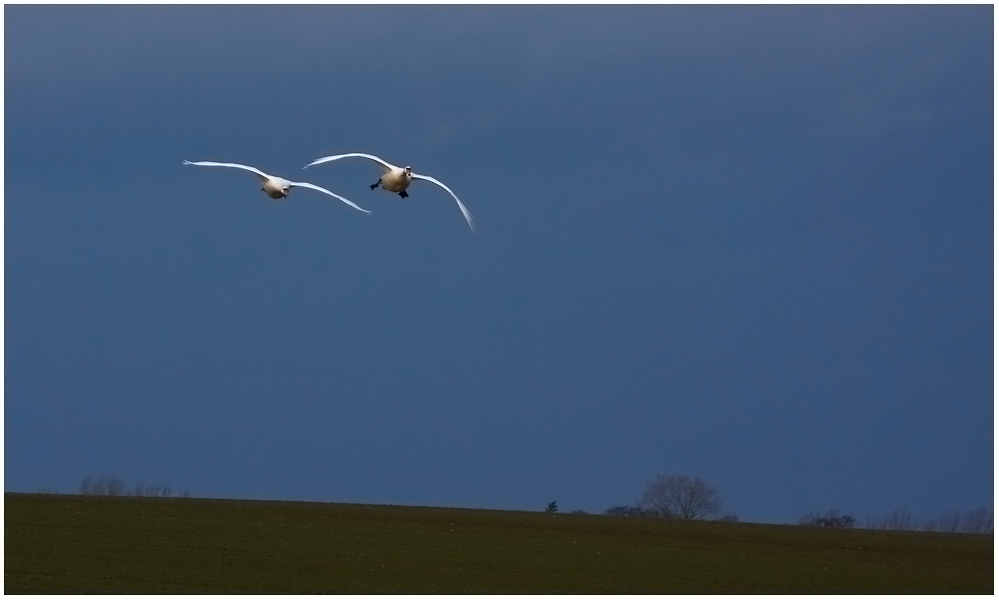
x=326 y=191
x=263 y=176
x=464 y=211
x=385 y=166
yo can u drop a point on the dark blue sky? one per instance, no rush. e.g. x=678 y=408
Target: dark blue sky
x=751 y=244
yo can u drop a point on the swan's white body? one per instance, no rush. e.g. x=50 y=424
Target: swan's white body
x=277 y=188
x=397 y=179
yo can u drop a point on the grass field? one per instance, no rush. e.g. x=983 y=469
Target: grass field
x=82 y=544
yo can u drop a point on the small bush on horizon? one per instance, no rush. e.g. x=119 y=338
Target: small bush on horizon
x=897 y=520
x=103 y=486
x=832 y=518
x=152 y=490
x=979 y=520
x=113 y=486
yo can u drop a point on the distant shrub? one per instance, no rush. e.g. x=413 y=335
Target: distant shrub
x=979 y=520
x=629 y=511
x=152 y=490
x=103 y=486
x=897 y=520
x=949 y=521
x=112 y=486
x=832 y=518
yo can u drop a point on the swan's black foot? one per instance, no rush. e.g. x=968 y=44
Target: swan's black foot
x=375 y=184
x=403 y=194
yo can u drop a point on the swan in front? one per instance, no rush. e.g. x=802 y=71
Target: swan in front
x=277 y=188
x=396 y=179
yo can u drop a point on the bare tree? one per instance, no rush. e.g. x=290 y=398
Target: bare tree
x=153 y=490
x=681 y=497
x=979 y=520
x=112 y=486
x=115 y=486
x=898 y=520
x=949 y=521
x=104 y=486
x=87 y=486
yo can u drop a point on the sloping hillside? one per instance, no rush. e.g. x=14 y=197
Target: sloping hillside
x=80 y=544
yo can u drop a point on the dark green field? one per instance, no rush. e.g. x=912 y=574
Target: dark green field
x=68 y=544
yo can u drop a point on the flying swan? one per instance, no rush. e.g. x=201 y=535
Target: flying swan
x=396 y=179
x=276 y=187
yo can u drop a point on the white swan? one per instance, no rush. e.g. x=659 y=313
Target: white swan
x=276 y=187
x=397 y=179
